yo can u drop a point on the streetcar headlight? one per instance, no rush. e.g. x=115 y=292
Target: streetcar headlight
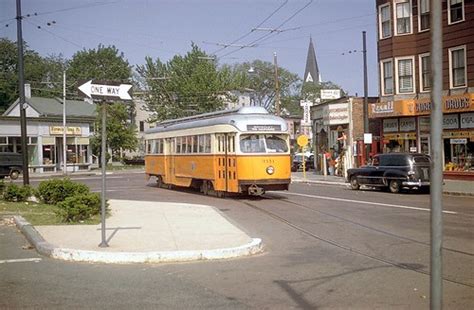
x=270 y=170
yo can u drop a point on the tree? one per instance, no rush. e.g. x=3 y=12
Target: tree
x=185 y=85
x=121 y=135
x=34 y=70
x=262 y=83
x=107 y=63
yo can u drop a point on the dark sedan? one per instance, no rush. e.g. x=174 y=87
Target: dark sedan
x=297 y=162
x=393 y=171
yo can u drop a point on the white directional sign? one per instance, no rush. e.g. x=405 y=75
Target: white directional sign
x=92 y=90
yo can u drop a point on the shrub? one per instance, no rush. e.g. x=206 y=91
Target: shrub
x=13 y=192
x=2 y=187
x=57 y=190
x=78 y=208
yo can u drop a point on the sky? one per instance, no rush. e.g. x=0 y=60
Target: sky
x=161 y=29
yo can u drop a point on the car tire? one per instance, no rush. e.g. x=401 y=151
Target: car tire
x=394 y=186
x=354 y=183
x=14 y=174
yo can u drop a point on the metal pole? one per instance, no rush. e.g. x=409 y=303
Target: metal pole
x=436 y=191
x=103 y=243
x=366 y=99
x=64 y=126
x=21 y=79
x=277 y=86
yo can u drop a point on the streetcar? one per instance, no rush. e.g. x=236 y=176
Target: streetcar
x=239 y=151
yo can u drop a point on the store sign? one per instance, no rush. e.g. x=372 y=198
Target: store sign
x=407 y=124
x=306 y=112
x=330 y=93
x=458 y=141
x=451 y=121
x=59 y=130
x=390 y=125
x=338 y=114
x=467 y=120
x=382 y=107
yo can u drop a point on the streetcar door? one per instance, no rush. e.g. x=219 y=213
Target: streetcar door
x=231 y=164
x=169 y=162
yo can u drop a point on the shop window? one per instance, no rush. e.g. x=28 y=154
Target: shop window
x=423 y=15
x=385 y=21
x=405 y=75
x=387 y=74
x=425 y=72
x=459 y=154
x=49 y=154
x=455 y=11
x=403 y=17
x=457 y=67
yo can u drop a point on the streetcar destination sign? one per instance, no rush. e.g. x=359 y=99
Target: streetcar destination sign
x=95 y=90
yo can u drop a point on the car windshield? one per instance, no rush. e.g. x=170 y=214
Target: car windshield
x=263 y=143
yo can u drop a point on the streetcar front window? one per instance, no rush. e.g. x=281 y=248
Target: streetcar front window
x=276 y=144
x=263 y=144
x=252 y=144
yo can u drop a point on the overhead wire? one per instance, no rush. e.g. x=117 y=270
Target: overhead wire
x=271 y=33
x=53 y=34
x=250 y=32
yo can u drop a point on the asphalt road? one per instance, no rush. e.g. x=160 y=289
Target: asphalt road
x=325 y=247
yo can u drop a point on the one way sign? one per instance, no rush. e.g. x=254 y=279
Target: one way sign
x=109 y=90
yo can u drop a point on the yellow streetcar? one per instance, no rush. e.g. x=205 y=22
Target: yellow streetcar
x=244 y=151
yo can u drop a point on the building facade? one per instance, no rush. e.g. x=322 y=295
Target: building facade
x=404 y=104
x=45 y=133
x=338 y=128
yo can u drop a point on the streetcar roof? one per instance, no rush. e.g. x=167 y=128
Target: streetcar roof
x=243 y=119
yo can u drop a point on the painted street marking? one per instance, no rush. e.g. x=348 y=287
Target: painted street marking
x=367 y=202
x=20 y=260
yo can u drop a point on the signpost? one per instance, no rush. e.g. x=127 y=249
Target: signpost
x=105 y=91
x=302 y=141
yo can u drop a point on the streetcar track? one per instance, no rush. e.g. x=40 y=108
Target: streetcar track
x=374 y=229
x=347 y=248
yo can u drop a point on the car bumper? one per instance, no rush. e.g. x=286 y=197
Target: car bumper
x=418 y=183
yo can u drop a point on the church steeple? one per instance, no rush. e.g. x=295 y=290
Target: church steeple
x=311 y=73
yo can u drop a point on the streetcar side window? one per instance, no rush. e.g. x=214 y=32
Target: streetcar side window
x=207 y=144
x=276 y=144
x=178 y=145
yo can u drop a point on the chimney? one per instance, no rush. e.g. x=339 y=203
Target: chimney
x=27 y=91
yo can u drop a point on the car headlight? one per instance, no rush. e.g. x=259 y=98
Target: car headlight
x=270 y=170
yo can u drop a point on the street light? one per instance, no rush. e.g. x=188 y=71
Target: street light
x=252 y=70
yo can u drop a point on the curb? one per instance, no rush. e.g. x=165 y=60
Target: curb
x=47 y=249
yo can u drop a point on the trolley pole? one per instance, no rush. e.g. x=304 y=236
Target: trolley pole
x=436 y=191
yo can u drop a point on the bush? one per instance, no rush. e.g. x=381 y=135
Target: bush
x=79 y=208
x=57 y=190
x=2 y=187
x=13 y=192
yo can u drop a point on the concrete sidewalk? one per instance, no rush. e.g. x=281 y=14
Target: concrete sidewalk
x=139 y=232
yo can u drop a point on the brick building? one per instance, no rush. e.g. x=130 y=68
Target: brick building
x=404 y=104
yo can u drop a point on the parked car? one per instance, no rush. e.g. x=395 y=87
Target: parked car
x=297 y=162
x=10 y=165
x=393 y=171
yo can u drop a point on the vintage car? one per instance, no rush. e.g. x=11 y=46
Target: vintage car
x=10 y=165
x=297 y=162
x=393 y=171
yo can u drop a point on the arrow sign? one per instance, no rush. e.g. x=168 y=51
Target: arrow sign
x=93 y=90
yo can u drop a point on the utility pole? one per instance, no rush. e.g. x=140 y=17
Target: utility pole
x=21 y=79
x=366 y=99
x=277 y=86
x=64 y=125
x=436 y=190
